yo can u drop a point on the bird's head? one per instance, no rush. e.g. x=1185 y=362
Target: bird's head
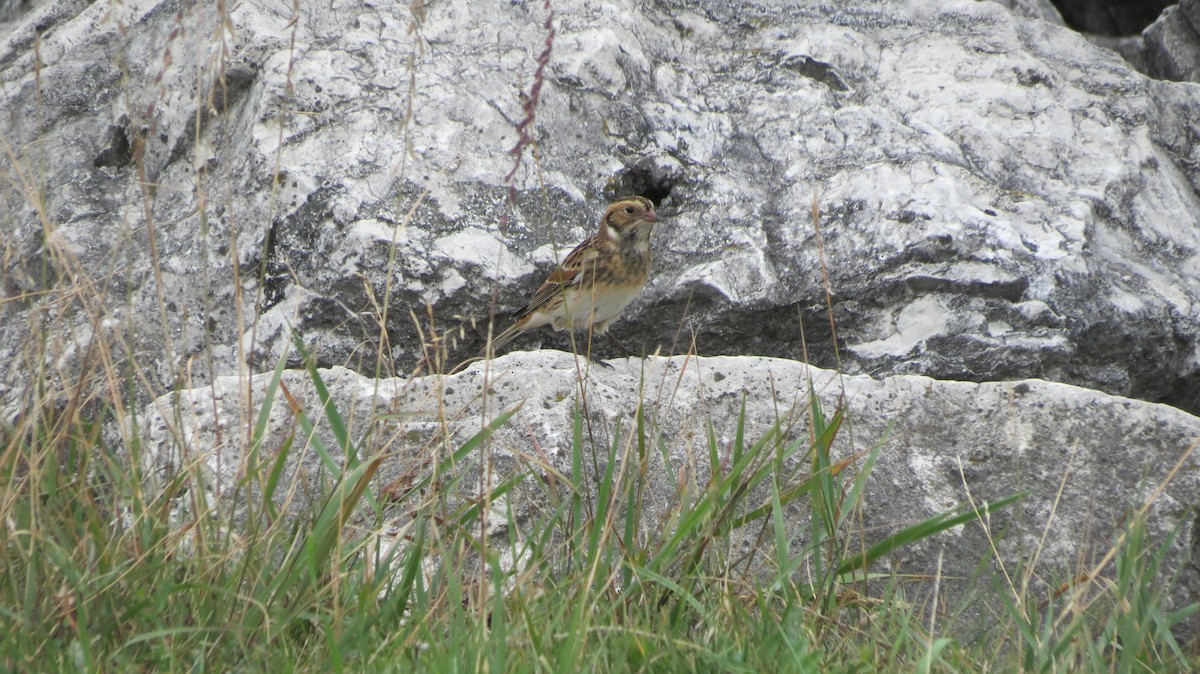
x=629 y=217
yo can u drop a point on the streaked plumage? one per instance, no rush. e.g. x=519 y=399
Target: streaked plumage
x=597 y=280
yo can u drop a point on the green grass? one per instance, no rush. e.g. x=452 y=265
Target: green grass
x=98 y=576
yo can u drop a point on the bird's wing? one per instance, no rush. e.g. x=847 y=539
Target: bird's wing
x=573 y=270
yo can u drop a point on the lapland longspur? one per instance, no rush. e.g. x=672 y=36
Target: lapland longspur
x=597 y=280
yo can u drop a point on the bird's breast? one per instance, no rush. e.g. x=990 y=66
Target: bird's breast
x=602 y=304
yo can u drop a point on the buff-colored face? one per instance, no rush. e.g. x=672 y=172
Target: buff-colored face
x=622 y=215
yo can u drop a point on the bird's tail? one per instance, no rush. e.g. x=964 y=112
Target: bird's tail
x=501 y=340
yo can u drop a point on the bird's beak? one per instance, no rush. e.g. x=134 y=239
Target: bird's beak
x=651 y=216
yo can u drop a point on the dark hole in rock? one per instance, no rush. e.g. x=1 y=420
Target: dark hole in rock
x=648 y=178
x=229 y=89
x=1185 y=394
x=1111 y=17
x=119 y=151
x=815 y=70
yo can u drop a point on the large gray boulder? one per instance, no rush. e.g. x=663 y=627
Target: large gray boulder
x=999 y=198
x=1087 y=460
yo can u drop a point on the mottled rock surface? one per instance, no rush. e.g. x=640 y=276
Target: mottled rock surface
x=1000 y=198
x=1035 y=9
x=1086 y=459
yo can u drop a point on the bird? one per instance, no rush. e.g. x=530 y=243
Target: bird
x=596 y=281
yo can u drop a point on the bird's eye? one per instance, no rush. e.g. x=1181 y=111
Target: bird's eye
x=629 y=210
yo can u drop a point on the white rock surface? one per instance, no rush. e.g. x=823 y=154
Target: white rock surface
x=1086 y=459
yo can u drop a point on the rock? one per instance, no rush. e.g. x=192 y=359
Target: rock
x=1036 y=9
x=1172 y=43
x=999 y=198
x=1168 y=48
x=1086 y=459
